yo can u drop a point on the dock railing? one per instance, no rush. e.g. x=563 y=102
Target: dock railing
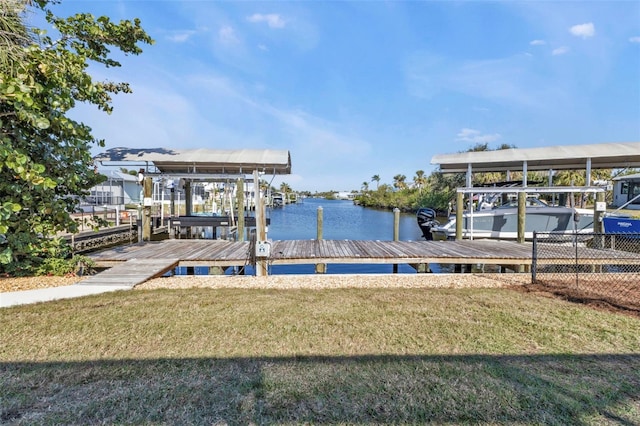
x=589 y=267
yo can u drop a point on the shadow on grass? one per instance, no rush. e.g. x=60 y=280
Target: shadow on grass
x=549 y=389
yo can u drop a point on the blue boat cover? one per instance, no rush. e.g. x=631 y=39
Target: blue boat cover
x=618 y=225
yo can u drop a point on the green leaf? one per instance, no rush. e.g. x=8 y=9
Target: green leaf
x=42 y=123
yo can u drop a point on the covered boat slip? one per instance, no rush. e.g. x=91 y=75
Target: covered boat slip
x=187 y=166
x=567 y=157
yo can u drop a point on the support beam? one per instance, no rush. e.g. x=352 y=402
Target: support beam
x=459 y=210
x=522 y=214
x=240 y=205
x=147 y=189
x=261 y=224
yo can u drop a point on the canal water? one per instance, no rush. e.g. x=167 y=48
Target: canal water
x=342 y=220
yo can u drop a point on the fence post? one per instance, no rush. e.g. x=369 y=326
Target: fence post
x=534 y=258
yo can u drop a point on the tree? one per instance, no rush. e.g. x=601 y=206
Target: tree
x=45 y=155
x=376 y=179
x=420 y=180
x=365 y=186
x=285 y=188
x=399 y=181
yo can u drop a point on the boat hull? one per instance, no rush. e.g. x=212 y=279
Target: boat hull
x=502 y=223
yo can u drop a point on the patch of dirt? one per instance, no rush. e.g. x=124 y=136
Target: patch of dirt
x=625 y=303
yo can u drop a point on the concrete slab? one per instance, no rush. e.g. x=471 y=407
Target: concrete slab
x=25 y=297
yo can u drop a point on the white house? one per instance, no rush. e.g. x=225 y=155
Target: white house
x=625 y=189
x=119 y=189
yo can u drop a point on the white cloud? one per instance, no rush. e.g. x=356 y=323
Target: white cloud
x=537 y=43
x=180 y=36
x=583 y=30
x=227 y=35
x=560 y=51
x=273 y=20
x=476 y=136
x=508 y=81
x=634 y=39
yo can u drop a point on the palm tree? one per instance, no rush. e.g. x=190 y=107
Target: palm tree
x=399 y=181
x=376 y=179
x=284 y=187
x=365 y=186
x=420 y=179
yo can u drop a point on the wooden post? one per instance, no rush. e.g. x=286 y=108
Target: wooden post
x=319 y=223
x=188 y=199
x=459 y=210
x=321 y=268
x=146 y=215
x=240 y=204
x=522 y=209
x=173 y=212
x=597 y=214
x=261 y=226
x=396 y=232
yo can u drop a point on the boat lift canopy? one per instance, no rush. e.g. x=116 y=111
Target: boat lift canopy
x=201 y=164
x=565 y=157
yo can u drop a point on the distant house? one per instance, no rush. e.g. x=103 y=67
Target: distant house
x=625 y=188
x=119 y=189
x=343 y=195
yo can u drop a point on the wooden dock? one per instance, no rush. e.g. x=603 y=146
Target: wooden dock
x=220 y=253
x=134 y=264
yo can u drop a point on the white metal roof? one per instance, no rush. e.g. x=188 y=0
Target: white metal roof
x=203 y=161
x=628 y=177
x=565 y=157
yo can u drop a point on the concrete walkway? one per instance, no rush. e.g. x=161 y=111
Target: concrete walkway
x=120 y=277
x=25 y=297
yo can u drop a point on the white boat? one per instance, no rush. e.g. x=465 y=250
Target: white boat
x=502 y=222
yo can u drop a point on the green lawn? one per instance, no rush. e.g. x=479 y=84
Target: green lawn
x=346 y=356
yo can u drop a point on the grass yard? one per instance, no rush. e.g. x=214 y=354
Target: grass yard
x=339 y=356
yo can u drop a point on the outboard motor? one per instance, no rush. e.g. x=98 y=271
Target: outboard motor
x=426 y=218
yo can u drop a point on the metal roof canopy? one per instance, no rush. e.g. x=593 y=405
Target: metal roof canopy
x=565 y=157
x=202 y=163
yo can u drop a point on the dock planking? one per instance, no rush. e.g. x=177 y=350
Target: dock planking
x=289 y=252
x=136 y=263
x=132 y=272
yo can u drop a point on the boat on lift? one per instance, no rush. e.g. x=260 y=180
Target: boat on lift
x=502 y=222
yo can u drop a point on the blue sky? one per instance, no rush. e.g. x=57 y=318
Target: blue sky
x=363 y=88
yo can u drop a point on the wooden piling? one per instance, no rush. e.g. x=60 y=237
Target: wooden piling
x=459 y=210
x=240 y=204
x=321 y=268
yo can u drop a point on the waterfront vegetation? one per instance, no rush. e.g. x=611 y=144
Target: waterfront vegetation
x=234 y=356
x=45 y=154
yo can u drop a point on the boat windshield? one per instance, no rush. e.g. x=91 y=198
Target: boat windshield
x=531 y=202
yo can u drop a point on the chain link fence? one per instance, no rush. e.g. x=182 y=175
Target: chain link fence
x=589 y=267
